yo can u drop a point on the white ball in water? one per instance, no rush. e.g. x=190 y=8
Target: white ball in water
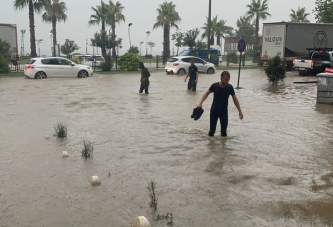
x=46 y=137
x=140 y=221
x=64 y=154
x=94 y=180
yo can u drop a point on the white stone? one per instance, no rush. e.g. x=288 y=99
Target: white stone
x=46 y=137
x=64 y=154
x=94 y=180
x=140 y=221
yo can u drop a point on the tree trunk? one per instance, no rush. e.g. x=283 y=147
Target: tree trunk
x=166 y=43
x=33 y=52
x=103 y=38
x=113 y=27
x=256 y=42
x=54 y=34
x=218 y=40
x=212 y=41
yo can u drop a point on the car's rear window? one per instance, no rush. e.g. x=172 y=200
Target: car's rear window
x=31 y=61
x=173 y=60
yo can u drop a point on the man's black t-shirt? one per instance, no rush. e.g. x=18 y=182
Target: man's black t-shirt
x=221 y=97
x=193 y=72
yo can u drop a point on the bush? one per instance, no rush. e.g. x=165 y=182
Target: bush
x=275 y=70
x=233 y=58
x=76 y=60
x=148 y=56
x=129 y=62
x=4 y=67
x=107 y=64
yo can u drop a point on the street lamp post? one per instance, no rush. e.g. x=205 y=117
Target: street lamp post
x=129 y=36
x=148 y=33
x=86 y=46
x=22 y=42
x=140 y=48
x=39 y=41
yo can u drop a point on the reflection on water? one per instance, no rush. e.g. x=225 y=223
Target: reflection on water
x=273 y=169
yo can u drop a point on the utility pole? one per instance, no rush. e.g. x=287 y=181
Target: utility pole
x=148 y=33
x=209 y=28
x=86 y=46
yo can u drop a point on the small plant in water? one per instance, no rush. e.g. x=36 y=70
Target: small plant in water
x=152 y=195
x=167 y=216
x=60 y=130
x=88 y=149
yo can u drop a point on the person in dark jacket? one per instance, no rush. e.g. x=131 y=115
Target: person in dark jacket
x=219 y=109
x=193 y=74
x=144 y=78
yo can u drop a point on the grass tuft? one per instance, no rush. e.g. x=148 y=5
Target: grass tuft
x=60 y=130
x=88 y=149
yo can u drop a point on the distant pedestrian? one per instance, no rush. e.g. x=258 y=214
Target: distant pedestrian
x=193 y=74
x=144 y=78
x=219 y=108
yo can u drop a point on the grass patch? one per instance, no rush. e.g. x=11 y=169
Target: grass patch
x=60 y=130
x=88 y=149
x=167 y=216
x=128 y=72
x=152 y=195
x=12 y=74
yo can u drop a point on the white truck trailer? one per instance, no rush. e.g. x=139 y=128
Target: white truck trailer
x=8 y=32
x=290 y=40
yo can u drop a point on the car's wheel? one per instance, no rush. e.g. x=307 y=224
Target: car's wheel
x=168 y=73
x=210 y=71
x=40 y=75
x=82 y=74
x=181 y=72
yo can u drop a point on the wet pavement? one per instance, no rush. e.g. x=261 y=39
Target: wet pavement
x=273 y=169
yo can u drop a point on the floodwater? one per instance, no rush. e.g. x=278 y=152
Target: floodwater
x=273 y=169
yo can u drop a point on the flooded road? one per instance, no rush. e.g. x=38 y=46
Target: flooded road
x=273 y=169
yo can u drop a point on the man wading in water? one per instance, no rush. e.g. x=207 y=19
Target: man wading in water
x=193 y=73
x=144 y=78
x=219 y=108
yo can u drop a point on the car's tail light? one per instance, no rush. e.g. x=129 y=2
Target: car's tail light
x=175 y=64
x=312 y=63
x=30 y=66
x=294 y=61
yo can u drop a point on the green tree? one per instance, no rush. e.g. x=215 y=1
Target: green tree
x=218 y=29
x=54 y=12
x=33 y=6
x=100 y=17
x=167 y=17
x=257 y=10
x=245 y=30
x=324 y=11
x=69 y=47
x=115 y=16
x=102 y=40
x=151 y=45
x=178 y=38
x=190 y=37
x=275 y=70
x=299 y=15
x=133 y=50
x=4 y=52
x=200 y=45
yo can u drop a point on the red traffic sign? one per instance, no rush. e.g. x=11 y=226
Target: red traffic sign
x=241 y=45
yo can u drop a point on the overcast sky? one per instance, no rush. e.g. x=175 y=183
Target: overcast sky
x=142 y=14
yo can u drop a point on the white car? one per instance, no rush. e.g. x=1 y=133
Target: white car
x=39 y=68
x=179 y=65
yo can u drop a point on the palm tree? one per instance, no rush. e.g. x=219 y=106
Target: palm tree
x=54 y=12
x=100 y=17
x=34 y=6
x=221 y=30
x=299 y=15
x=167 y=18
x=257 y=10
x=115 y=16
x=245 y=30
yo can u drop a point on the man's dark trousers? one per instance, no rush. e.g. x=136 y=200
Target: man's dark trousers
x=192 y=85
x=223 y=121
x=144 y=86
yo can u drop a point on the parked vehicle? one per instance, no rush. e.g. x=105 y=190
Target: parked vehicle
x=202 y=53
x=39 y=68
x=91 y=60
x=290 y=40
x=179 y=65
x=318 y=62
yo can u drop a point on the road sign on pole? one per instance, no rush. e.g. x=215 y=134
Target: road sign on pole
x=241 y=48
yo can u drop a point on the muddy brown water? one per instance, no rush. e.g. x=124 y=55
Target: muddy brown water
x=273 y=169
